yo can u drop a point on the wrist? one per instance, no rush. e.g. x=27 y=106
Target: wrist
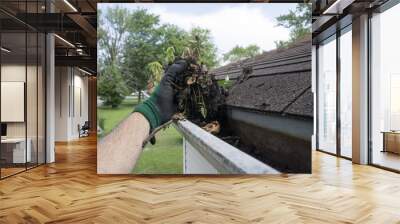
x=149 y=110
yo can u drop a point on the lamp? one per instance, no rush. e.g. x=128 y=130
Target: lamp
x=5 y=50
x=337 y=7
x=84 y=71
x=70 y=5
x=64 y=40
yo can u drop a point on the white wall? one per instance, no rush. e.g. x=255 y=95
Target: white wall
x=62 y=81
x=71 y=94
x=80 y=94
x=33 y=126
x=12 y=73
x=12 y=99
x=16 y=73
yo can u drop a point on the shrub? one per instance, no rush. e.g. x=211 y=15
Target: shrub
x=111 y=87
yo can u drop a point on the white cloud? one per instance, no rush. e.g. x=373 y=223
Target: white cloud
x=230 y=26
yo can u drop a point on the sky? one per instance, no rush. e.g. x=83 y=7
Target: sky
x=230 y=24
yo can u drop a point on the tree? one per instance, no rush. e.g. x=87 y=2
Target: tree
x=156 y=68
x=111 y=34
x=101 y=34
x=238 y=53
x=173 y=37
x=299 y=23
x=111 y=86
x=142 y=48
x=138 y=44
x=202 y=46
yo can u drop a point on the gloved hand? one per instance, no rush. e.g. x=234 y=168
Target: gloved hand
x=161 y=105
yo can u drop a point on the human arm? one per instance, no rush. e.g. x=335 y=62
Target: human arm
x=119 y=150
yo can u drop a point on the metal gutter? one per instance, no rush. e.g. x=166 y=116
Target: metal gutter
x=283 y=142
x=291 y=125
x=223 y=157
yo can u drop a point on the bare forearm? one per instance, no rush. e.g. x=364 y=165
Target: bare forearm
x=119 y=150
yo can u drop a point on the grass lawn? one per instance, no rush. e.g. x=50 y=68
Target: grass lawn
x=113 y=116
x=165 y=157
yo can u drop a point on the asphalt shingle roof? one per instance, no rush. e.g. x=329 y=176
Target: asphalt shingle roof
x=280 y=81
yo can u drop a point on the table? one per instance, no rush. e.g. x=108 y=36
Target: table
x=391 y=141
x=13 y=150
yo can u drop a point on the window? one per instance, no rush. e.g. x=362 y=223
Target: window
x=346 y=92
x=22 y=77
x=327 y=95
x=385 y=89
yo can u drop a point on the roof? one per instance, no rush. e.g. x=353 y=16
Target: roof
x=279 y=81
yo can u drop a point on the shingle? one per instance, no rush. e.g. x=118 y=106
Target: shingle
x=293 y=64
x=299 y=50
x=303 y=106
x=271 y=93
x=280 y=81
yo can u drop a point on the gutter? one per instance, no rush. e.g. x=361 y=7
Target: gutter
x=204 y=153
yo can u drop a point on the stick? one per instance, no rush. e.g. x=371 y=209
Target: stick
x=154 y=132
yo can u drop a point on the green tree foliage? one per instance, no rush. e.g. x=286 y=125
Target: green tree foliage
x=142 y=48
x=111 y=33
x=156 y=70
x=149 y=42
x=132 y=40
x=299 y=23
x=175 y=37
x=170 y=55
x=111 y=86
x=101 y=33
x=202 y=47
x=238 y=53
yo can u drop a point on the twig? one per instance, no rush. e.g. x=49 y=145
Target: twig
x=154 y=132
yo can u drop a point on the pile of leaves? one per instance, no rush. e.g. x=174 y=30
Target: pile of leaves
x=200 y=98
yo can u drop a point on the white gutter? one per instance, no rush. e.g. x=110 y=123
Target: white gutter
x=204 y=153
x=207 y=154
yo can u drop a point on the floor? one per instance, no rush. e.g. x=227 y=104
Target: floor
x=5 y=172
x=387 y=159
x=70 y=191
x=10 y=171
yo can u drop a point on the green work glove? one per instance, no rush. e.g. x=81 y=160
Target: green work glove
x=161 y=105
